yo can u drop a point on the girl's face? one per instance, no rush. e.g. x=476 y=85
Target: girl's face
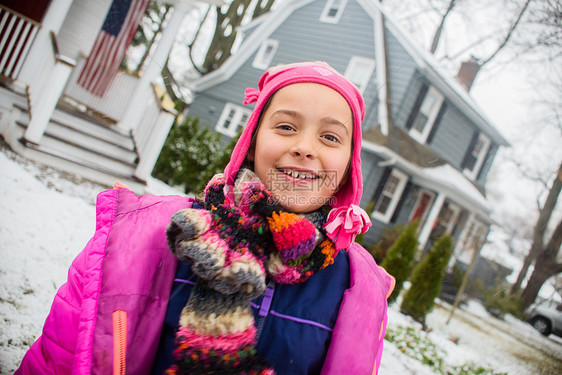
x=303 y=146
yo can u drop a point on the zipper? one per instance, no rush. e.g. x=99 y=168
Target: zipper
x=264 y=308
x=119 y=341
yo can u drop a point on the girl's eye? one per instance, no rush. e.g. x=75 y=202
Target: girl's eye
x=285 y=127
x=331 y=138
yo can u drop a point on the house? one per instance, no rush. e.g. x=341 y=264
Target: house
x=46 y=115
x=427 y=148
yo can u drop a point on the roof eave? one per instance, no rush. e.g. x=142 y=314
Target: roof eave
x=480 y=206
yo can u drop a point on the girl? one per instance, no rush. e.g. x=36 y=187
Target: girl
x=255 y=282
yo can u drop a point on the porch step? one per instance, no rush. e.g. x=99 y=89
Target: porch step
x=90 y=127
x=84 y=141
x=92 y=148
x=87 y=138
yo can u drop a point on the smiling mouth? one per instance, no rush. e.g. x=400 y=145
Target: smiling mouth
x=299 y=174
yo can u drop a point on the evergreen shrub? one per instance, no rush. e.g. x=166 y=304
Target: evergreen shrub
x=426 y=280
x=379 y=250
x=192 y=155
x=400 y=257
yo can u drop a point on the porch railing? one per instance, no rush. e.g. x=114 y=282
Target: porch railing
x=150 y=134
x=17 y=35
x=115 y=100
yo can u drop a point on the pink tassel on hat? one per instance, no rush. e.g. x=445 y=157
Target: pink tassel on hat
x=251 y=95
x=344 y=223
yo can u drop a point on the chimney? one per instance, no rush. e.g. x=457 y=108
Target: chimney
x=467 y=72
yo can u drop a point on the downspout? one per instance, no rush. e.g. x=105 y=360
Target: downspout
x=382 y=73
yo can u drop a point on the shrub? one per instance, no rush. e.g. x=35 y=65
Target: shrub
x=400 y=257
x=379 y=250
x=191 y=155
x=499 y=302
x=426 y=280
x=360 y=238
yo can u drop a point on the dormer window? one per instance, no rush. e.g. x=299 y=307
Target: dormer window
x=474 y=159
x=332 y=11
x=232 y=119
x=425 y=113
x=359 y=71
x=265 y=54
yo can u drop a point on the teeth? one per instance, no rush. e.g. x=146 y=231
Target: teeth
x=296 y=174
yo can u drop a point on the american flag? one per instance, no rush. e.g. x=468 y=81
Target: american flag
x=111 y=44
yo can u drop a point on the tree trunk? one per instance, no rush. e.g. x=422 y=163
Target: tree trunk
x=545 y=267
x=536 y=281
x=439 y=31
x=540 y=229
x=225 y=34
x=153 y=39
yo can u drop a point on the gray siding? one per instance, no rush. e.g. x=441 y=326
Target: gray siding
x=483 y=175
x=453 y=136
x=401 y=73
x=302 y=37
x=371 y=176
x=353 y=35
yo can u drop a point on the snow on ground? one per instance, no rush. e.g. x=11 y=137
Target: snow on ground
x=47 y=218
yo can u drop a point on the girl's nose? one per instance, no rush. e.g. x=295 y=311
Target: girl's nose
x=304 y=147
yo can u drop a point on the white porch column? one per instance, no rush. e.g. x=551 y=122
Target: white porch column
x=157 y=138
x=461 y=243
x=133 y=113
x=433 y=214
x=46 y=104
x=41 y=48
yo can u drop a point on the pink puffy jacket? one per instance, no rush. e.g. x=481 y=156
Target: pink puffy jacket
x=107 y=318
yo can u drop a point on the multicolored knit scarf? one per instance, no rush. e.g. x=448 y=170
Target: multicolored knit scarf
x=233 y=245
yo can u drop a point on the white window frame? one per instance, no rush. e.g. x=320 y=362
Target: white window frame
x=482 y=152
x=235 y=120
x=394 y=197
x=424 y=216
x=325 y=17
x=263 y=61
x=421 y=137
x=456 y=209
x=353 y=64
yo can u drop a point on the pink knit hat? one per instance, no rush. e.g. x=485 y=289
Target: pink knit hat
x=346 y=219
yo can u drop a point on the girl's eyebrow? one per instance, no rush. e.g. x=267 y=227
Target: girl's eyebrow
x=330 y=120
x=288 y=112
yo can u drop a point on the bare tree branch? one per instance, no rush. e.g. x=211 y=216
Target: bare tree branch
x=509 y=34
x=190 y=46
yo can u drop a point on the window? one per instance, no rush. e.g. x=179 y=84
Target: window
x=426 y=115
x=359 y=71
x=333 y=10
x=233 y=118
x=390 y=195
x=446 y=220
x=475 y=157
x=422 y=207
x=265 y=54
